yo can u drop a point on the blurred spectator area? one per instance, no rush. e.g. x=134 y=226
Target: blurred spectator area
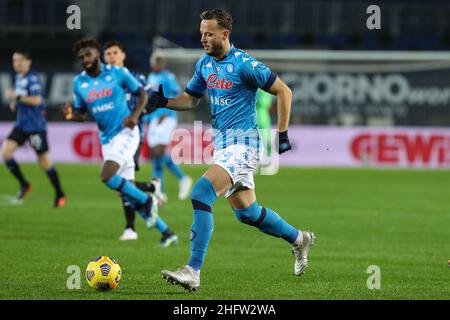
x=259 y=24
x=39 y=26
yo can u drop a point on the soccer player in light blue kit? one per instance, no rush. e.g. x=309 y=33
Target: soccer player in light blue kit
x=162 y=123
x=114 y=54
x=232 y=77
x=100 y=90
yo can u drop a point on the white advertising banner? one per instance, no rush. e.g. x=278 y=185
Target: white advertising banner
x=312 y=145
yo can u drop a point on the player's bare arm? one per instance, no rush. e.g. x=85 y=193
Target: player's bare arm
x=70 y=115
x=284 y=101
x=12 y=106
x=133 y=119
x=183 y=102
x=32 y=101
x=28 y=100
x=284 y=97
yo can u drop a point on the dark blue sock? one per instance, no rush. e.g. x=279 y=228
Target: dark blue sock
x=14 y=168
x=54 y=179
x=128 y=209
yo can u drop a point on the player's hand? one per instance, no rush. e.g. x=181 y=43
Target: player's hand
x=67 y=112
x=157 y=100
x=11 y=95
x=130 y=122
x=283 y=142
x=12 y=106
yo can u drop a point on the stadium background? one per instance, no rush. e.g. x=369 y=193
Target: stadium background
x=322 y=49
x=367 y=97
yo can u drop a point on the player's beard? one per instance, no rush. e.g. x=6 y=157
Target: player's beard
x=216 y=50
x=93 y=67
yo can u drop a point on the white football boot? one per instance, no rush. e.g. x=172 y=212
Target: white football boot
x=151 y=220
x=185 y=276
x=168 y=239
x=128 y=234
x=185 y=185
x=160 y=196
x=301 y=250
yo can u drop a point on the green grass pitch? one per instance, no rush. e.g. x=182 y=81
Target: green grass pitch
x=398 y=220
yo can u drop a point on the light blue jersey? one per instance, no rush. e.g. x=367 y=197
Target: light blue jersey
x=104 y=98
x=171 y=89
x=232 y=83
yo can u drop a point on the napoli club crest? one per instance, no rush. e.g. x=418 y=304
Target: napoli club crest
x=230 y=68
x=192 y=236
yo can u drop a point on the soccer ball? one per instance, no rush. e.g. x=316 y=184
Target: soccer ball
x=103 y=273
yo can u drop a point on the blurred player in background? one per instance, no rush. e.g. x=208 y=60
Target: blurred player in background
x=162 y=123
x=114 y=53
x=232 y=77
x=263 y=104
x=27 y=100
x=100 y=90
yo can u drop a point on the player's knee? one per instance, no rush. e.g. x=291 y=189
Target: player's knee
x=6 y=153
x=157 y=163
x=105 y=177
x=158 y=152
x=203 y=191
x=44 y=161
x=249 y=215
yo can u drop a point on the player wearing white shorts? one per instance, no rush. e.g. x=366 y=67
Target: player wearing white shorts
x=114 y=54
x=232 y=77
x=162 y=123
x=99 y=90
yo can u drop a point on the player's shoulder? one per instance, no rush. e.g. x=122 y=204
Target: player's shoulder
x=115 y=70
x=203 y=61
x=169 y=74
x=79 y=77
x=241 y=57
x=33 y=76
x=139 y=76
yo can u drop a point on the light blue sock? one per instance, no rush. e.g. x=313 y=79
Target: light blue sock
x=175 y=169
x=158 y=172
x=126 y=187
x=267 y=221
x=202 y=197
x=161 y=225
